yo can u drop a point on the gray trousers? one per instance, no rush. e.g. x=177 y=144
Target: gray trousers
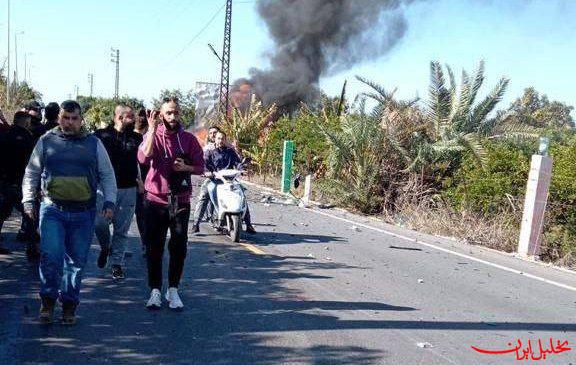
x=123 y=214
x=203 y=204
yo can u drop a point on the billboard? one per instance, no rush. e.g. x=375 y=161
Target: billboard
x=207 y=96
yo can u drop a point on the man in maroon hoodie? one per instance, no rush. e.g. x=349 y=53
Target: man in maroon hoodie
x=173 y=155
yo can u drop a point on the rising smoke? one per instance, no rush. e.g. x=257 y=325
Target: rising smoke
x=315 y=38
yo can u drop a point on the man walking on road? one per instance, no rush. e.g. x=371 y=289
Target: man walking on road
x=68 y=164
x=173 y=155
x=121 y=143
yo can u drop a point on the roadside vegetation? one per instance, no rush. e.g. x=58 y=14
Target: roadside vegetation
x=454 y=163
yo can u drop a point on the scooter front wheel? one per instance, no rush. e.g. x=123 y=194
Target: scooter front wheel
x=234 y=227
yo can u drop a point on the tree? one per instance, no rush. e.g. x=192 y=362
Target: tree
x=186 y=100
x=20 y=93
x=537 y=110
x=99 y=112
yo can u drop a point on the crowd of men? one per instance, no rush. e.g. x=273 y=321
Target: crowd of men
x=70 y=184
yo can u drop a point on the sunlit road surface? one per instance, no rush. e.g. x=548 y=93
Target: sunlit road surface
x=311 y=288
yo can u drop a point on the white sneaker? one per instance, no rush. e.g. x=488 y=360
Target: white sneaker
x=155 y=301
x=174 y=301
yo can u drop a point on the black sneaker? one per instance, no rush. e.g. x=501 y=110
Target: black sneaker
x=250 y=229
x=103 y=258
x=68 y=313
x=117 y=272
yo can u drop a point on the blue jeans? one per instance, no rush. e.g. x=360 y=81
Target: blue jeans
x=65 y=239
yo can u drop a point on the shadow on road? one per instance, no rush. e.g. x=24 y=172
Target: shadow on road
x=238 y=307
x=277 y=238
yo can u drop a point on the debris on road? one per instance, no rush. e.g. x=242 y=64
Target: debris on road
x=421 y=281
x=310 y=256
x=355 y=228
x=424 y=345
x=267 y=199
x=327 y=248
x=326 y=206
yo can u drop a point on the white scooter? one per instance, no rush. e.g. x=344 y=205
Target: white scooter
x=231 y=203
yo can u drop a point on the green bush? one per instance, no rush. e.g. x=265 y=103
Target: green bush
x=496 y=186
x=560 y=228
x=311 y=148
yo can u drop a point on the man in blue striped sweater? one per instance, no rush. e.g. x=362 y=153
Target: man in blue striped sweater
x=69 y=165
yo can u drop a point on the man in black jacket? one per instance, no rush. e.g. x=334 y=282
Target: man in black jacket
x=16 y=146
x=121 y=143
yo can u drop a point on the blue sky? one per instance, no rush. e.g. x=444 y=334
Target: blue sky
x=533 y=42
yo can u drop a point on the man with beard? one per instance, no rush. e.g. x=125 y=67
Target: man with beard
x=121 y=143
x=173 y=155
x=68 y=164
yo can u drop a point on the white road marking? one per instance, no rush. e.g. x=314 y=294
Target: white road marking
x=501 y=267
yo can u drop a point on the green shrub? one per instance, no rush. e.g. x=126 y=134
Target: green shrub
x=496 y=186
x=560 y=228
x=311 y=148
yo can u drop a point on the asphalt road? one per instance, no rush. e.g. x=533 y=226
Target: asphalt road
x=310 y=288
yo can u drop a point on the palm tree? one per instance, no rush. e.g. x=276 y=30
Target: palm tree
x=355 y=160
x=456 y=119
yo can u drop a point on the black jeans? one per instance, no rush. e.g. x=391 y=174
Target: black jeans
x=158 y=221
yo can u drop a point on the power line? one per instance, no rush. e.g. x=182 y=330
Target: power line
x=210 y=21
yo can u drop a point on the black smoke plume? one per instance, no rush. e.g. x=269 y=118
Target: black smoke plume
x=316 y=38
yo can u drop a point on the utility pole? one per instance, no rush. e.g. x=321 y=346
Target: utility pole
x=16 y=53
x=116 y=59
x=8 y=74
x=77 y=91
x=26 y=66
x=225 y=72
x=91 y=82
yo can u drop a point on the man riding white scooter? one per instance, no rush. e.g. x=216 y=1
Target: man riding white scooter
x=222 y=158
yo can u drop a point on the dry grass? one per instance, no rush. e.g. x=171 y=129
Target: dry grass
x=415 y=209
x=500 y=232
x=418 y=207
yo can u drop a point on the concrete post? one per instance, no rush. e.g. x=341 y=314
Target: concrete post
x=307 y=190
x=535 y=205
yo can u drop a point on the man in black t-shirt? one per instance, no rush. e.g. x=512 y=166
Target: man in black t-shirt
x=122 y=143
